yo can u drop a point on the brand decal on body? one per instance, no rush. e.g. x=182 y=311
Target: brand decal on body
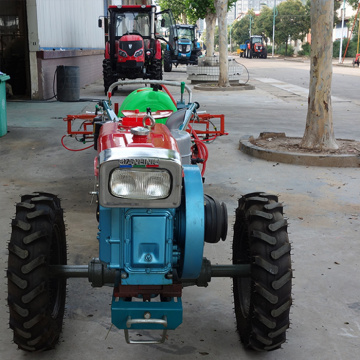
x=138 y=162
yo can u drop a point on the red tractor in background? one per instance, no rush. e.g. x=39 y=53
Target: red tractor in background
x=254 y=47
x=132 y=42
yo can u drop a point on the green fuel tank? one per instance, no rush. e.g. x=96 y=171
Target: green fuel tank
x=144 y=98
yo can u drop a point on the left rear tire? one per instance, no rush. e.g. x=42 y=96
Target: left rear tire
x=36 y=299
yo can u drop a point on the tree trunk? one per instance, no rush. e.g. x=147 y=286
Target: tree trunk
x=221 y=12
x=319 y=132
x=210 y=20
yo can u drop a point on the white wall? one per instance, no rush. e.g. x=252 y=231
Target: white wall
x=69 y=24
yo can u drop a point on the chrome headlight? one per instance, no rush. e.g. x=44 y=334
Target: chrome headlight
x=188 y=48
x=136 y=177
x=140 y=184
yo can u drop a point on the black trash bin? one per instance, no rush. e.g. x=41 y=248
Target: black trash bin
x=68 y=83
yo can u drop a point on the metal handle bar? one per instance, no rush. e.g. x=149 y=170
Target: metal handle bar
x=130 y=322
x=158 y=82
x=188 y=114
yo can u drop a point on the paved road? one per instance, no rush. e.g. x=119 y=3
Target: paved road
x=345 y=83
x=322 y=206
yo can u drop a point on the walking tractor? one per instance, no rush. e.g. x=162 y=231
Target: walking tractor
x=154 y=220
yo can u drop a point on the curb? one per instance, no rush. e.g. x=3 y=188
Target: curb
x=215 y=87
x=299 y=159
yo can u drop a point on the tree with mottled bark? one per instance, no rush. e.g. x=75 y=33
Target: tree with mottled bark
x=319 y=132
x=221 y=12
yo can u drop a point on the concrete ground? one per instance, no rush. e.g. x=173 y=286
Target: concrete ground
x=322 y=206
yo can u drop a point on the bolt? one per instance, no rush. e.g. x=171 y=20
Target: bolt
x=124 y=275
x=148 y=258
x=147 y=315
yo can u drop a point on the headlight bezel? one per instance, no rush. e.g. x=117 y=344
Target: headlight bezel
x=138 y=53
x=123 y=53
x=147 y=159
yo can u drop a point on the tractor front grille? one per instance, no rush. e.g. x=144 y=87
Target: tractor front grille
x=182 y=48
x=130 y=46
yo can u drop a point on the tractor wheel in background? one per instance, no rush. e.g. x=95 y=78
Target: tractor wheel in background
x=157 y=70
x=167 y=61
x=109 y=76
x=263 y=300
x=36 y=300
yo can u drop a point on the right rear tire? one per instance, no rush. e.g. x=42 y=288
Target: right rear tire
x=262 y=300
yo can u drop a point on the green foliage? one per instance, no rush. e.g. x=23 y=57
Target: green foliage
x=191 y=9
x=240 y=28
x=177 y=7
x=285 y=50
x=216 y=37
x=351 y=51
x=292 y=21
x=264 y=22
x=306 y=49
x=354 y=3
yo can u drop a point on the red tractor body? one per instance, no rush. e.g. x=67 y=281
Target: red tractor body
x=132 y=44
x=113 y=135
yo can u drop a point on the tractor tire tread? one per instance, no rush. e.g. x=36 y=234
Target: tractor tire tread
x=263 y=232
x=36 y=301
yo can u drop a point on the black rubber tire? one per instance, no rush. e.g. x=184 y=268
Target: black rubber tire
x=167 y=61
x=263 y=300
x=156 y=70
x=250 y=54
x=109 y=76
x=36 y=300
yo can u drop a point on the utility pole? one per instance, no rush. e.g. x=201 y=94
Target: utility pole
x=342 y=32
x=273 y=37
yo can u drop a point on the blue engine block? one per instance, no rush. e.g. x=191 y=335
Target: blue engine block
x=147 y=244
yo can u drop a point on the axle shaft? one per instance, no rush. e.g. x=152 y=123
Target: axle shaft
x=99 y=275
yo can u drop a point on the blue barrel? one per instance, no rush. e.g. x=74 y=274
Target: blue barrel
x=68 y=83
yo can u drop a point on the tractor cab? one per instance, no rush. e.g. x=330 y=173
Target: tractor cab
x=186 y=50
x=187 y=40
x=132 y=43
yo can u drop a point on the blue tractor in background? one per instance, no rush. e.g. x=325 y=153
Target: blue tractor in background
x=186 y=50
